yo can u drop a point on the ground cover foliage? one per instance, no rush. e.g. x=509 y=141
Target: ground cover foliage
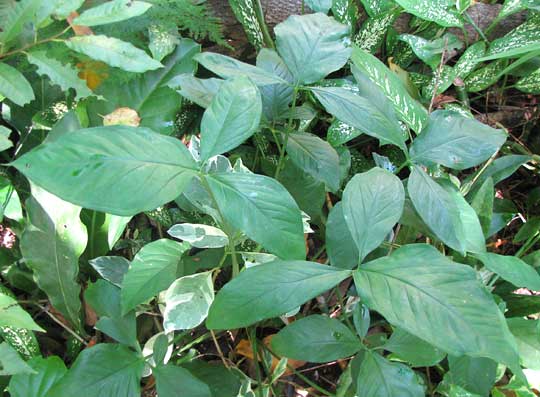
x=343 y=208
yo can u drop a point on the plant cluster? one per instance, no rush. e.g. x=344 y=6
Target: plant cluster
x=181 y=222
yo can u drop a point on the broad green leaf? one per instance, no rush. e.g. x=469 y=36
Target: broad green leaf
x=527 y=334
x=430 y=51
x=51 y=247
x=378 y=377
x=372 y=205
x=262 y=198
x=187 y=302
x=17 y=15
x=104 y=230
x=152 y=270
x=64 y=75
x=315 y=157
x=530 y=84
x=474 y=374
x=420 y=296
x=512 y=6
x=409 y=110
x=170 y=379
x=441 y=12
x=104 y=168
x=455 y=141
x=102 y=370
x=113 y=52
x=12 y=315
x=200 y=91
x=110 y=12
x=275 y=97
x=11 y=363
x=503 y=167
x=48 y=372
x=233 y=116
x=162 y=40
x=14 y=86
x=340 y=246
x=111 y=268
x=227 y=68
x=312 y=46
x=59 y=8
x=319 y=5
x=269 y=290
x=523 y=39
x=199 y=236
x=482 y=203
x=512 y=269
x=5 y=143
x=413 y=350
x=317 y=339
x=361 y=113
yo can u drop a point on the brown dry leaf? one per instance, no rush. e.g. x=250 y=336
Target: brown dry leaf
x=93 y=72
x=79 y=30
x=122 y=116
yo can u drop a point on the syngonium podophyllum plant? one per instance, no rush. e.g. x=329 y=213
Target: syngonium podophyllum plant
x=410 y=254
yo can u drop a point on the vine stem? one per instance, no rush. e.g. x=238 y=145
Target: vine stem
x=26 y=47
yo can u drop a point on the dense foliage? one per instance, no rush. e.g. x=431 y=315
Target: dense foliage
x=179 y=222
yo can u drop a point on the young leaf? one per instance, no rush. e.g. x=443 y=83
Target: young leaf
x=170 y=379
x=378 y=377
x=103 y=370
x=317 y=339
x=340 y=246
x=410 y=110
x=187 y=302
x=104 y=168
x=112 y=11
x=261 y=197
x=455 y=141
x=113 y=52
x=48 y=371
x=312 y=46
x=14 y=86
x=227 y=68
x=12 y=315
x=17 y=15
x=441 y=12
x=316 y=157
x=200 y=91
x=104 y=298
x=51 y=247
x=372 y=205
x=199 y=236
x=421 y=298
x=526 y=333
x=233 y=116
x=413 y=350
x=152 y=270
x=111 y=268
x=269 y=290
x=512 y=269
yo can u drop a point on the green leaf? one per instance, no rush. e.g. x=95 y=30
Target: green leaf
x=112 y=11
x=523 y=39
x=199 y=236
x=170 y=379
x=17 y=15
x=262 y=198
x=512 y=269
x=528 y=340
x=12 y=315
x=319 y=5
x=317 y=339
x=162 y=41
x=503 y=167
x=430 y=51
x=372 y=205
x=530 y=84
x=312 y=46
x=420 y=296
x=104 y=168
x=228 y=68
x=378 y=377
x=374 y=30
x=63 y=75
x=5 y=143
x=111 y=268
x=104 y=298
x=233 y=116
x=377 y=7
x=340 y=133
x=413 y=350
x=113 y=52
x=10 y=204
x=361 y=113
x=152 y=270
x=315 y=157
x=441 y=12
x=475 y=374
x=187 y=302
x=51 y=247
x=345 y=11
x=200 y=91
x=103 y=370
x=340 y=246
x=104 y=230
x=11 y=363
x=48 y=372
x=244 y=11
x=512 y=6
x=409 y=110
x=484 y=77
x=482 y=203
x=269 y=290
x=455 y=141
x=14 y=86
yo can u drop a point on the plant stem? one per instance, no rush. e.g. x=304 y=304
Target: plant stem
x=285 y=140
x=252 y=337
x=26 y=47
x=235 y=265
x=262 y=23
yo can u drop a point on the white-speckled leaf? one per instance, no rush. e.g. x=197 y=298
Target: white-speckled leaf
x=530 y=84
x=525 y=38
x=442 y=12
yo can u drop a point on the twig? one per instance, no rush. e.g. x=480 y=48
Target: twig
x=60 y=323
x=219 y=350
